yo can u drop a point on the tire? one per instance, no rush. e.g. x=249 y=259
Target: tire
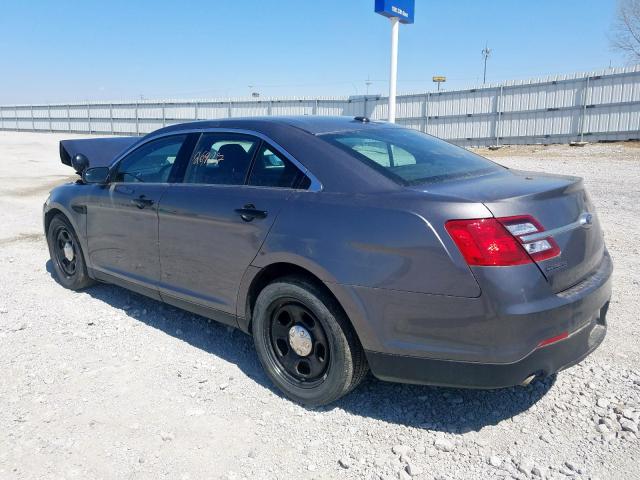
x=71 y=274
x=336 y=363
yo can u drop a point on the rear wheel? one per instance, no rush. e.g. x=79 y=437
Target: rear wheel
x=66 y=254
x=304 y=342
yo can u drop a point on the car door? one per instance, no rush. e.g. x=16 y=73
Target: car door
x=122 y=217
x=212 y=225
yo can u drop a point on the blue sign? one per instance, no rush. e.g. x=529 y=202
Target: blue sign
x=403 y=9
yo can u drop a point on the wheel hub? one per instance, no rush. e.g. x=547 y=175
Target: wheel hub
x=298 y=343
x=68 y=251
x=300 y=340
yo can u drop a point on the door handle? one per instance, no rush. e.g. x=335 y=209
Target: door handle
x=142 y=202
x=249 y=212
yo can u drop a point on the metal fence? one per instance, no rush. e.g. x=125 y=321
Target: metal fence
x=591 y=107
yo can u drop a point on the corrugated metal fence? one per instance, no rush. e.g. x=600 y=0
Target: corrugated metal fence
x=595 y=106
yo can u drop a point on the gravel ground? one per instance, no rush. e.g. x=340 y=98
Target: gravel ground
x=109 y=384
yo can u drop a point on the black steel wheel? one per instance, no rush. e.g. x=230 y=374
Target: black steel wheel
x=65 y=251
x=66 y=254
x=299 y=344
x=305 y=343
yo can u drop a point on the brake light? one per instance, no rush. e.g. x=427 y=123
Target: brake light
x=486 y=242
x=499 y=241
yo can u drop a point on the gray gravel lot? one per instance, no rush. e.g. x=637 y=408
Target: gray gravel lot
x=109 y=384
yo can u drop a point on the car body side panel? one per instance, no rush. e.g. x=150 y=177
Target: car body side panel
x=389 y=245
x=123 y=238
x=205 y=245
x=394 y=246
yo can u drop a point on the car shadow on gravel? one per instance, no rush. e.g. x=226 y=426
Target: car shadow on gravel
x=433 y=408
x=441 y=409
x=212 y=337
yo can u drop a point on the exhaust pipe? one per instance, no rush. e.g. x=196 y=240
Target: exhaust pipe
x=527 y=381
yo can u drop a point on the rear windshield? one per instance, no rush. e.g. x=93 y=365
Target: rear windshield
x=410 y=157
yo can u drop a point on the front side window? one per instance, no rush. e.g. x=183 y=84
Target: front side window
x=221 y=159
x=271 y=169
x=410 y=157
x=152 y=162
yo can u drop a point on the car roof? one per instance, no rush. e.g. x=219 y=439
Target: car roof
x=313 y=124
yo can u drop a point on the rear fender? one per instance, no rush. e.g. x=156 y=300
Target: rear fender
x=377 y=241
x=346 y=296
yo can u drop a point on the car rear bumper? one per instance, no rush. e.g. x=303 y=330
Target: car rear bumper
x=488 y=342
x=542 y=362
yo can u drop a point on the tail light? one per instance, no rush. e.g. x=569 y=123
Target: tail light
x=522 y=226
x=499 y=241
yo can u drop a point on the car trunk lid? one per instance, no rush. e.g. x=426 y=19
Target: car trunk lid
x=559 y=203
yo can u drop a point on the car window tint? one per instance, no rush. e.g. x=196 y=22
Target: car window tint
x=410 y=157
x=221 y=159
x=273 y=170
x=152 y=162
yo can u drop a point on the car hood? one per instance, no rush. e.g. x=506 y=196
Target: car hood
x=100 y=151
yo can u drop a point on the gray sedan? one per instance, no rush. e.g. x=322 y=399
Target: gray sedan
x=342 y=245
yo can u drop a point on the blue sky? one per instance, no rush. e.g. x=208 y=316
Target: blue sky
x=75 y=50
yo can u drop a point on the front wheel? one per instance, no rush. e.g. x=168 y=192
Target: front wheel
x=66 y=255
x=305 y=343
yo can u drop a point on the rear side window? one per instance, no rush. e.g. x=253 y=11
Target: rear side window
x=271 y=169
x=221 y=159
x=410 y=157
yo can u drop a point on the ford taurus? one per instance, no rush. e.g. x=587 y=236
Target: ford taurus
x=342 y=245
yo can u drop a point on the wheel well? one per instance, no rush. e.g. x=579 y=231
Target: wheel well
x=275 y=271
x=49 y=216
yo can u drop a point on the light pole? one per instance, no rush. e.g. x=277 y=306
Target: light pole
x=393 y=73
x=398 y=11
x=486 y=53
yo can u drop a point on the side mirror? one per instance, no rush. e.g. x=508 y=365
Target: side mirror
x=80 y=163
x=99 y=175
